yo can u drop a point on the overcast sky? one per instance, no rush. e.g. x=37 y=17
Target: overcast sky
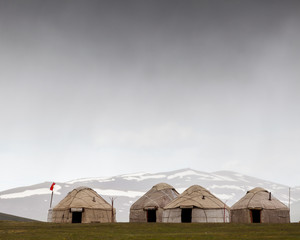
x=101 y=88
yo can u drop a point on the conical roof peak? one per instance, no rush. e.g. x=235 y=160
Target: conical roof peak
x=257 y=190
x=162 y=186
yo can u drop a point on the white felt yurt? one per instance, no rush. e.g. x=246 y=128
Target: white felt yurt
x=149 y=207
x=196 y=204
x=259 y=206
x=83 y=205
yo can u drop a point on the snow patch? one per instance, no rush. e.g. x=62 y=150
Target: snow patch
x=141 y=178
x=201 y=176
x=183 y=174
x=91 y=179
x=224 y=178
x=134 y=174
x=227 y=187
x=28 y=193
x=241 y=178
x=224 y=196
x=112 y=192
x=277 y=187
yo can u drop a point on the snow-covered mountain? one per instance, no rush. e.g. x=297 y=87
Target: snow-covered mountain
x=33 y=201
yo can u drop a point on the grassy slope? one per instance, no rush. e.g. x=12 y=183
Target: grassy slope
x=8 y=217
x=144 y=231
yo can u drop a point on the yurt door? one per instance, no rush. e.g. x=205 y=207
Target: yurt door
x=151 y=215
x=255 y=216
x=186 y=215
x=76 y=215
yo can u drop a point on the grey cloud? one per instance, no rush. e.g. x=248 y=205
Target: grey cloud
x=74 y=72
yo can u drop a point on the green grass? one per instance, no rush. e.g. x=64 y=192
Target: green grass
x=146 y=231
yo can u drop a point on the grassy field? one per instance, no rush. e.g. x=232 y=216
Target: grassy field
x=146 y=231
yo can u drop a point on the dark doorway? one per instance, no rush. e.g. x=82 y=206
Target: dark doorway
x=255 y=215
x=186 y=215
x=151 y=215
x=76 y=217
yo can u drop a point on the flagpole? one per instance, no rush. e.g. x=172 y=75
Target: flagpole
x=112 y=209
x=51 y=200
x=51 y=189
x=289 y=198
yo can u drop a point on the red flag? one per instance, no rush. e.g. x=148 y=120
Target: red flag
x=52 y=186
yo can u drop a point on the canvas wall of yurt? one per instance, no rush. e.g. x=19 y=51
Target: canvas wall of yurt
x=196 y=204
x=259 y=206
x=149 y=207
x=83 y=205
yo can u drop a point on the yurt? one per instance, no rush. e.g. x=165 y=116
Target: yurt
x=149 y=207
x=259 y=206
x=196 y=204
x=83 y=205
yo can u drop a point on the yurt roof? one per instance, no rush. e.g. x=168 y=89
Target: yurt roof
x=83 y=197
x=162 y=186
x=259 y=198
x=196 y=196
x=257 y=189
x=158 y=196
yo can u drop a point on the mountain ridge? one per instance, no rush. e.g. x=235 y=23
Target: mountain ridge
x=33 y=201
